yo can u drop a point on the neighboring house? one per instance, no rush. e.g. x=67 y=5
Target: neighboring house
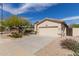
x=75 y=31
x=75 y=28
x=52 y=27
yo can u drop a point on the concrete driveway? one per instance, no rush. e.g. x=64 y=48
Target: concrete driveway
x=28 y=45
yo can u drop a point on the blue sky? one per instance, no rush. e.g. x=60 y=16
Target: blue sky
x=34 y=12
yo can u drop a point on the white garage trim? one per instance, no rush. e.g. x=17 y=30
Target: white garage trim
x=49 y=27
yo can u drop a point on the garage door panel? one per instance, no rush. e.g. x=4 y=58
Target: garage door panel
x=48 y=31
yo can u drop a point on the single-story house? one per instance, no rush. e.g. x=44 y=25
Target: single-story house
x=76 y=32
x=52 y=27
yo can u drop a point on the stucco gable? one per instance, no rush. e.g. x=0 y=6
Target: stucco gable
x=51 y=20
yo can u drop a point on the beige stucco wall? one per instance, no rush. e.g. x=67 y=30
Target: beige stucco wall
x=49 y=23
x=75 y=31
x=35 y=29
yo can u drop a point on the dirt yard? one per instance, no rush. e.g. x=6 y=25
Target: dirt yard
x=54 y=49
x=34 y=46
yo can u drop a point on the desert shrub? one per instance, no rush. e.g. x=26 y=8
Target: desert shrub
x=71 y=45
x=27 y=32
x=35 y=32
x=76 y=53
x=2 y=28
x=16 y=35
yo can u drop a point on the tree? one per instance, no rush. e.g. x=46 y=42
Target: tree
x=16 y=21
x=75 y=25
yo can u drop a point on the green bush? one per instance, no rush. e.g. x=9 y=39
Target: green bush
x=71 y=45
x=27 y=32
x=2 y=28
x=75 y=25
x=16 y=21
x=16 y=35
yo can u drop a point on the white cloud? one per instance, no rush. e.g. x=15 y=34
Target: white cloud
x=72 y=18
x=26 y=7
